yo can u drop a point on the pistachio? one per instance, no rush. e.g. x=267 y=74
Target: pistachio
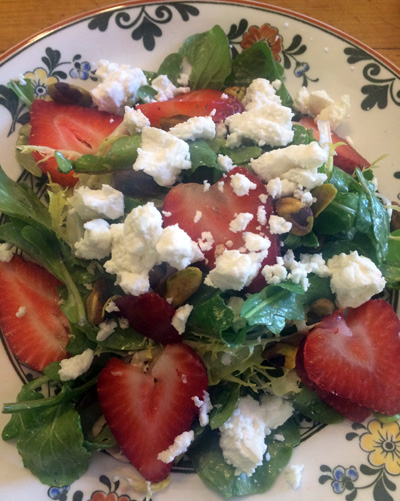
x=281 y=355
x=65 y=93
x=236 y=91
x=319 y=309
x=95 y=303
x=296 y=212
x=167 y=122
x=324 y=195
x=182 y=285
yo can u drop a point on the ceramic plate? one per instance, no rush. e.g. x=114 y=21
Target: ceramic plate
x=346 y=461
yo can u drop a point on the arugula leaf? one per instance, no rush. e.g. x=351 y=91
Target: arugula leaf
x=209 y=55
x=258 y=62
x=209 y=463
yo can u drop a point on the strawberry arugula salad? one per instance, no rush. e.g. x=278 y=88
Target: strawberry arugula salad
x=204 y=269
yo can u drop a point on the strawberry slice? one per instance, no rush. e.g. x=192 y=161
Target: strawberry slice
x=354 y=354
x=198 y=103
x=348 y=409
x=214 y=209
x=151 y=315
x=31 y=320
x=347 y=158
x=67 y=127
x=147 y=410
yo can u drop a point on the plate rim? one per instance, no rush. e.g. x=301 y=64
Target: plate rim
x=64 y=23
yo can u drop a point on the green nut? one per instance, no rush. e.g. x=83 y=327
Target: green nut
x=180 y=286
x=65 y=93
x=324 y=195
x=297 y=213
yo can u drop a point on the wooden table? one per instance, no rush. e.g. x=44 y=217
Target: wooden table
x=374 y=22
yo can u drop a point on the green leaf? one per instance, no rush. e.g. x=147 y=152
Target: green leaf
x=54 y=450
x=64 y=165
x=311 y=406
x=209 y=55
x=201 y=154
x=258 y=62
x=172 y=67
x=209 y=463
x=24 y=91
x=224 y=398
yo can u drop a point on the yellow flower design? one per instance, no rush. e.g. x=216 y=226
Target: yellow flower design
x=382 y=441
x=41 y=80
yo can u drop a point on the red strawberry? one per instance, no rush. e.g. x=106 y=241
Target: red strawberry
x=218 y=207
x=348 y=409
x=197 y=103
x=68 y=127
x=151 y=315
x=147 y=410
x=40 y=335
x=347 y=157
x=355 y=355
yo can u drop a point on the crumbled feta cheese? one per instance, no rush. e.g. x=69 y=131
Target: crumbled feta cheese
x=111 y=307
x=221 y=185
x=321 y=106
x=243 y=435
x=259 y=93
x=180 y=445
x=269 y=125
x=197 y=216
x=354 y=279
x=278 y=225
x=205 y=406
x=21 y=312
x=180 y=317
x=221 y=130
x=194 y=128
x=96 y=240
x=275 y=273
x=240 y=222
x=166 y=89
x=6 y=252
x=106 y=328
x=107 y=203
x=225 y=162
x=134 y=120
x=293 y=474
x=162 y=156
x=183 y=80
x=118 y=86
x=72 y=368
x=233 y=270
x=176 y=248
x=207 y=186
x=206 y=241
x=298 y=164
x=255 y=242
x=241 y=184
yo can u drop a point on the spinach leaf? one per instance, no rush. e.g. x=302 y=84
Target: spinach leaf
x=310 y=405
x=258 y=62
x=209 y=463
x=209 y=55
x=224 y=398
x=201 y=154
x=172 y=67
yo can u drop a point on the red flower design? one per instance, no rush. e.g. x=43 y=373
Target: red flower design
x=265 y=33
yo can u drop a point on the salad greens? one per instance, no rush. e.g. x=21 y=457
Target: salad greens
x=355 y=220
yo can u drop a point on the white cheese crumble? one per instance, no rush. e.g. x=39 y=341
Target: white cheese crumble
x=241 y=184
x=162 y=156
x=225 y=162
x=176 y=248
x=21 y=312
x=96 y=240
x=72 y=368
x=107 y=203
x=297 y=164
x=243 y=435
x=204 y=406
x=293 y=475
x=6 y=252
x=180 y=445
x=278 y=225
x=234 y=270
x=106 y=328
x=206 y=241
x=118 y=86
x=354 y=279
x=194 y=128
x=134 y=120
x=166 y=89
x=180 y=317
x=255 y=242
x=240 y=222
x=197 y=216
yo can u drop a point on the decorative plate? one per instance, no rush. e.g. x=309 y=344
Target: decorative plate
x=346 y=461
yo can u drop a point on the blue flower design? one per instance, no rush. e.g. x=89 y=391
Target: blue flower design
x=301 y=69
x=343 y=478
x=58 y=493
x=80 y=70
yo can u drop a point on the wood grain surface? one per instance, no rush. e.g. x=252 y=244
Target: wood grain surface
x=374 y=22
